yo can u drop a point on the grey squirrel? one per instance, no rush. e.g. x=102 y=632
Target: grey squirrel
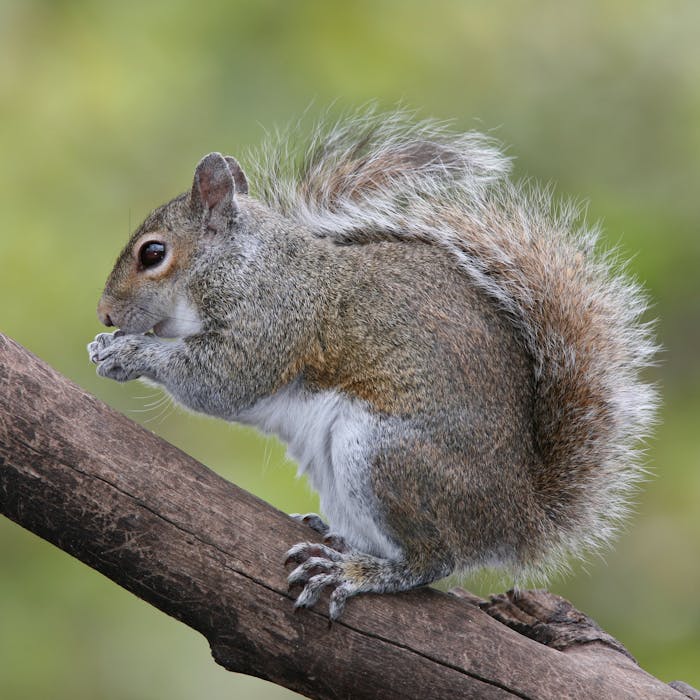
x=451 y=362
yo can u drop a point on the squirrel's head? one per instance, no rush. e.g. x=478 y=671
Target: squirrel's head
x=147 y=289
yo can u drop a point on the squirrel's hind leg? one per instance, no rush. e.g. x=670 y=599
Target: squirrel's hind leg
x=349 y=573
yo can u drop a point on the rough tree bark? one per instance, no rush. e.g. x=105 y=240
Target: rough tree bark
x=180 y=537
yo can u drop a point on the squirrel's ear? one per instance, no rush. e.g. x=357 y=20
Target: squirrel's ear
x=214 y=192
x=238 y=175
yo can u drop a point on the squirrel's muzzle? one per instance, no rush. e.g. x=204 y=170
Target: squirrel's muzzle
x=103 y=314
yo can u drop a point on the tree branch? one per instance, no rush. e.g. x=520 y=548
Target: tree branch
x=173 y=532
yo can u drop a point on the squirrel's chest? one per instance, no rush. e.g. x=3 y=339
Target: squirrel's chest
x=333 y=438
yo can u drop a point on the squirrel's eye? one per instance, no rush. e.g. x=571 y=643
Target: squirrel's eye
x=151 y=253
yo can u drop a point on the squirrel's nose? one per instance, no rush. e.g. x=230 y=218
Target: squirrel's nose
x=103 y=315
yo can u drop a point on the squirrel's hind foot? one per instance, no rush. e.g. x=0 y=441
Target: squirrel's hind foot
x=349 y=572
x=321 y=566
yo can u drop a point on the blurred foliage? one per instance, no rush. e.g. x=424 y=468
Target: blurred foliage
x=106 y=107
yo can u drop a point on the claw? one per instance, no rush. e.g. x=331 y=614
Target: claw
x=331 y=539
x=96 y=349
x=311 y=568
x=320 y=566
x=313 y=589
x=301 y=552
x=336 y=542
x=338 y=599
x=314 y=521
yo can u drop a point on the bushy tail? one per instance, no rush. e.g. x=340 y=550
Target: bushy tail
x=375 y=177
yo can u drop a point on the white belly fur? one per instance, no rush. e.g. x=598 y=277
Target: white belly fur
x=331 y=438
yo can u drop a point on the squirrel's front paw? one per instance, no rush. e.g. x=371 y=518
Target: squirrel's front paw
x=96 y=349
x=321 y=567
x=118 y=356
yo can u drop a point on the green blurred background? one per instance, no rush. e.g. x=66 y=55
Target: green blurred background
x=106 y=107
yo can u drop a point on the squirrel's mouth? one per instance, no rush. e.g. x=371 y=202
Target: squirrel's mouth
x=160 y=329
